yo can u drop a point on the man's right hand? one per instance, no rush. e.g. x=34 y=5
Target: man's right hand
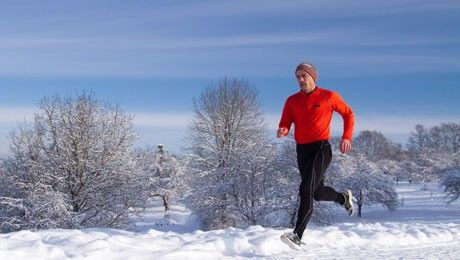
x=282 y=132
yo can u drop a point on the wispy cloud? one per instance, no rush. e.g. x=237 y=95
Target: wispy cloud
x=313 y=7
x=144 y=39
x=165 y=43
x=323 y=38
x=209 y=62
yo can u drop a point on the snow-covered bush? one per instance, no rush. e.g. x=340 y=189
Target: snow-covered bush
x=161 y=173
x=451 y=183
x=370 y=186
x=71 y=168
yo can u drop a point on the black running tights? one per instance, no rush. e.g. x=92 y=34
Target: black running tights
x=313 y=160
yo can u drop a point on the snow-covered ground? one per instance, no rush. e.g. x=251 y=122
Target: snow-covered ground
x=424 y=227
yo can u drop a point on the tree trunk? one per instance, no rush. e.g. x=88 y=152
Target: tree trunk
x=165 y=200
x=165 y=203
x=360 y=203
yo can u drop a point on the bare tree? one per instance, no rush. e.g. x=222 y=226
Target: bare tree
x=419 y=138
x=229 y=147
x=73 y=167
x=444 y=137
x=375 y=146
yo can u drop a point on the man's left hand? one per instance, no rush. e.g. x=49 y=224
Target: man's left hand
x=345 y=146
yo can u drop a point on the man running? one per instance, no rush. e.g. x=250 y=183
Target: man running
x=310 y=110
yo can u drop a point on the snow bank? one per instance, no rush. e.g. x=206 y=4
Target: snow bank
x=424 y=227
x=254 y=242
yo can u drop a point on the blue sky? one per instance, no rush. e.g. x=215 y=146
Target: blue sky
x=397 y=63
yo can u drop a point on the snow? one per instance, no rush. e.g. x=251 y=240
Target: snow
x=424 y=227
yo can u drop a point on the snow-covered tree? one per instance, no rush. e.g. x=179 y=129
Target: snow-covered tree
x=161 y=172
x=371 y=186
x=11 y=209
x=375 y=146
x=342 y=166
x=393 y=169
x=428 y=164
x=434 y=150
x=285 y=189
x=451 y=183
x=254 y=182
x=419 y=138
x=444 y=137
x=72 y=167
x=229 y=149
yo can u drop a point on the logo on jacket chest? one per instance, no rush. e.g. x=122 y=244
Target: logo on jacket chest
x=314 y=106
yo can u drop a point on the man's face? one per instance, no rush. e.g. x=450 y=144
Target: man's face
x=306 y=82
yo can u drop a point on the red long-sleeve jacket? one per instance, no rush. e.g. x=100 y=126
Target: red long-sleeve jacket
x=312 y=114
